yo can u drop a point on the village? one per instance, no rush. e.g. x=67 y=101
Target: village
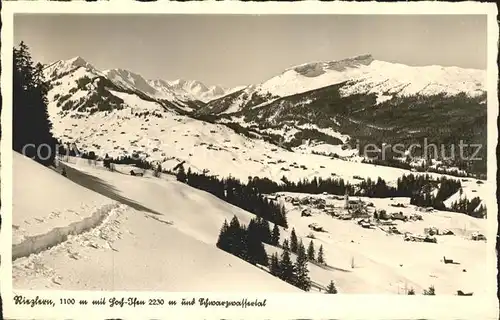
x=391 y=219
x=423 y=247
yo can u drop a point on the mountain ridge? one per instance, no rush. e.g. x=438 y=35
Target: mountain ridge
x=364 y=75
x=159 y=88
x=368 y=101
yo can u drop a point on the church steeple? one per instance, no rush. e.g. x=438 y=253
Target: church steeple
x=346 y=200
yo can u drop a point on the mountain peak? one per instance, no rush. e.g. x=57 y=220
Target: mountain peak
x=129 y=79
x=79 y=62
x=316 y=68
x=362 y=57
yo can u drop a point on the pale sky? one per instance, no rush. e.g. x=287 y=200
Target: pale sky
x=233 y=50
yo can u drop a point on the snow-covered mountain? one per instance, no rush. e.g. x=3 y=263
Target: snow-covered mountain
x=76 y=83
x=364 y=100
x=360 y=75
x=190 y=89
x=319 y=107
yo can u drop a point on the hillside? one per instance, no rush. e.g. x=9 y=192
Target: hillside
x=423 y=120
x=143 y=227
x=128 y=238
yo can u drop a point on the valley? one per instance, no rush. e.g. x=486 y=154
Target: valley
x=154 y=176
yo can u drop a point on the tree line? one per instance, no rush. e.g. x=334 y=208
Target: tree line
x=423 y=191
x=297 y=273
x=233 y=191
x=247 y=243
x=31 y=126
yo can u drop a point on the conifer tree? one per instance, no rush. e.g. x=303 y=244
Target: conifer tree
x=157 y=171
x=31 y=125
x=266 y=232
x=275 y=265
x=430 y=292
x=286 y=268
x=321 y=258
x=286 y=245
x=302 y=279
x=275 y=237
x=234 y=237
x=256 y=252
x=283 y=220
x=311 y=252
x=294 y=245
x=181 y=174
x=331 y=289
x=222 y=242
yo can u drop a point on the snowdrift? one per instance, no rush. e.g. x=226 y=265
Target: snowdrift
x=45 y=201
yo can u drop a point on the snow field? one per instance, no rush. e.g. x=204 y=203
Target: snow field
x=130 y=242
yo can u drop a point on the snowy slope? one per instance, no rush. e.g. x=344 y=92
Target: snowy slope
x=156 y=212
x=172 y=138
x=60 y=205
x=131 y=239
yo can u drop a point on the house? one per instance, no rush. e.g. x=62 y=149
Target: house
x=399 y=216
x=394 y=230
x=305 y=201
x=387 y=223
x=316 y=227
x=137 y=172
x=476 y=236
x=359 y=212
x=398 y=205
x=365 y=223
x=305 y=213
x=431 y=231
x=416 y=217
x=417 y=238
x=430 y=239
x=273 y=198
